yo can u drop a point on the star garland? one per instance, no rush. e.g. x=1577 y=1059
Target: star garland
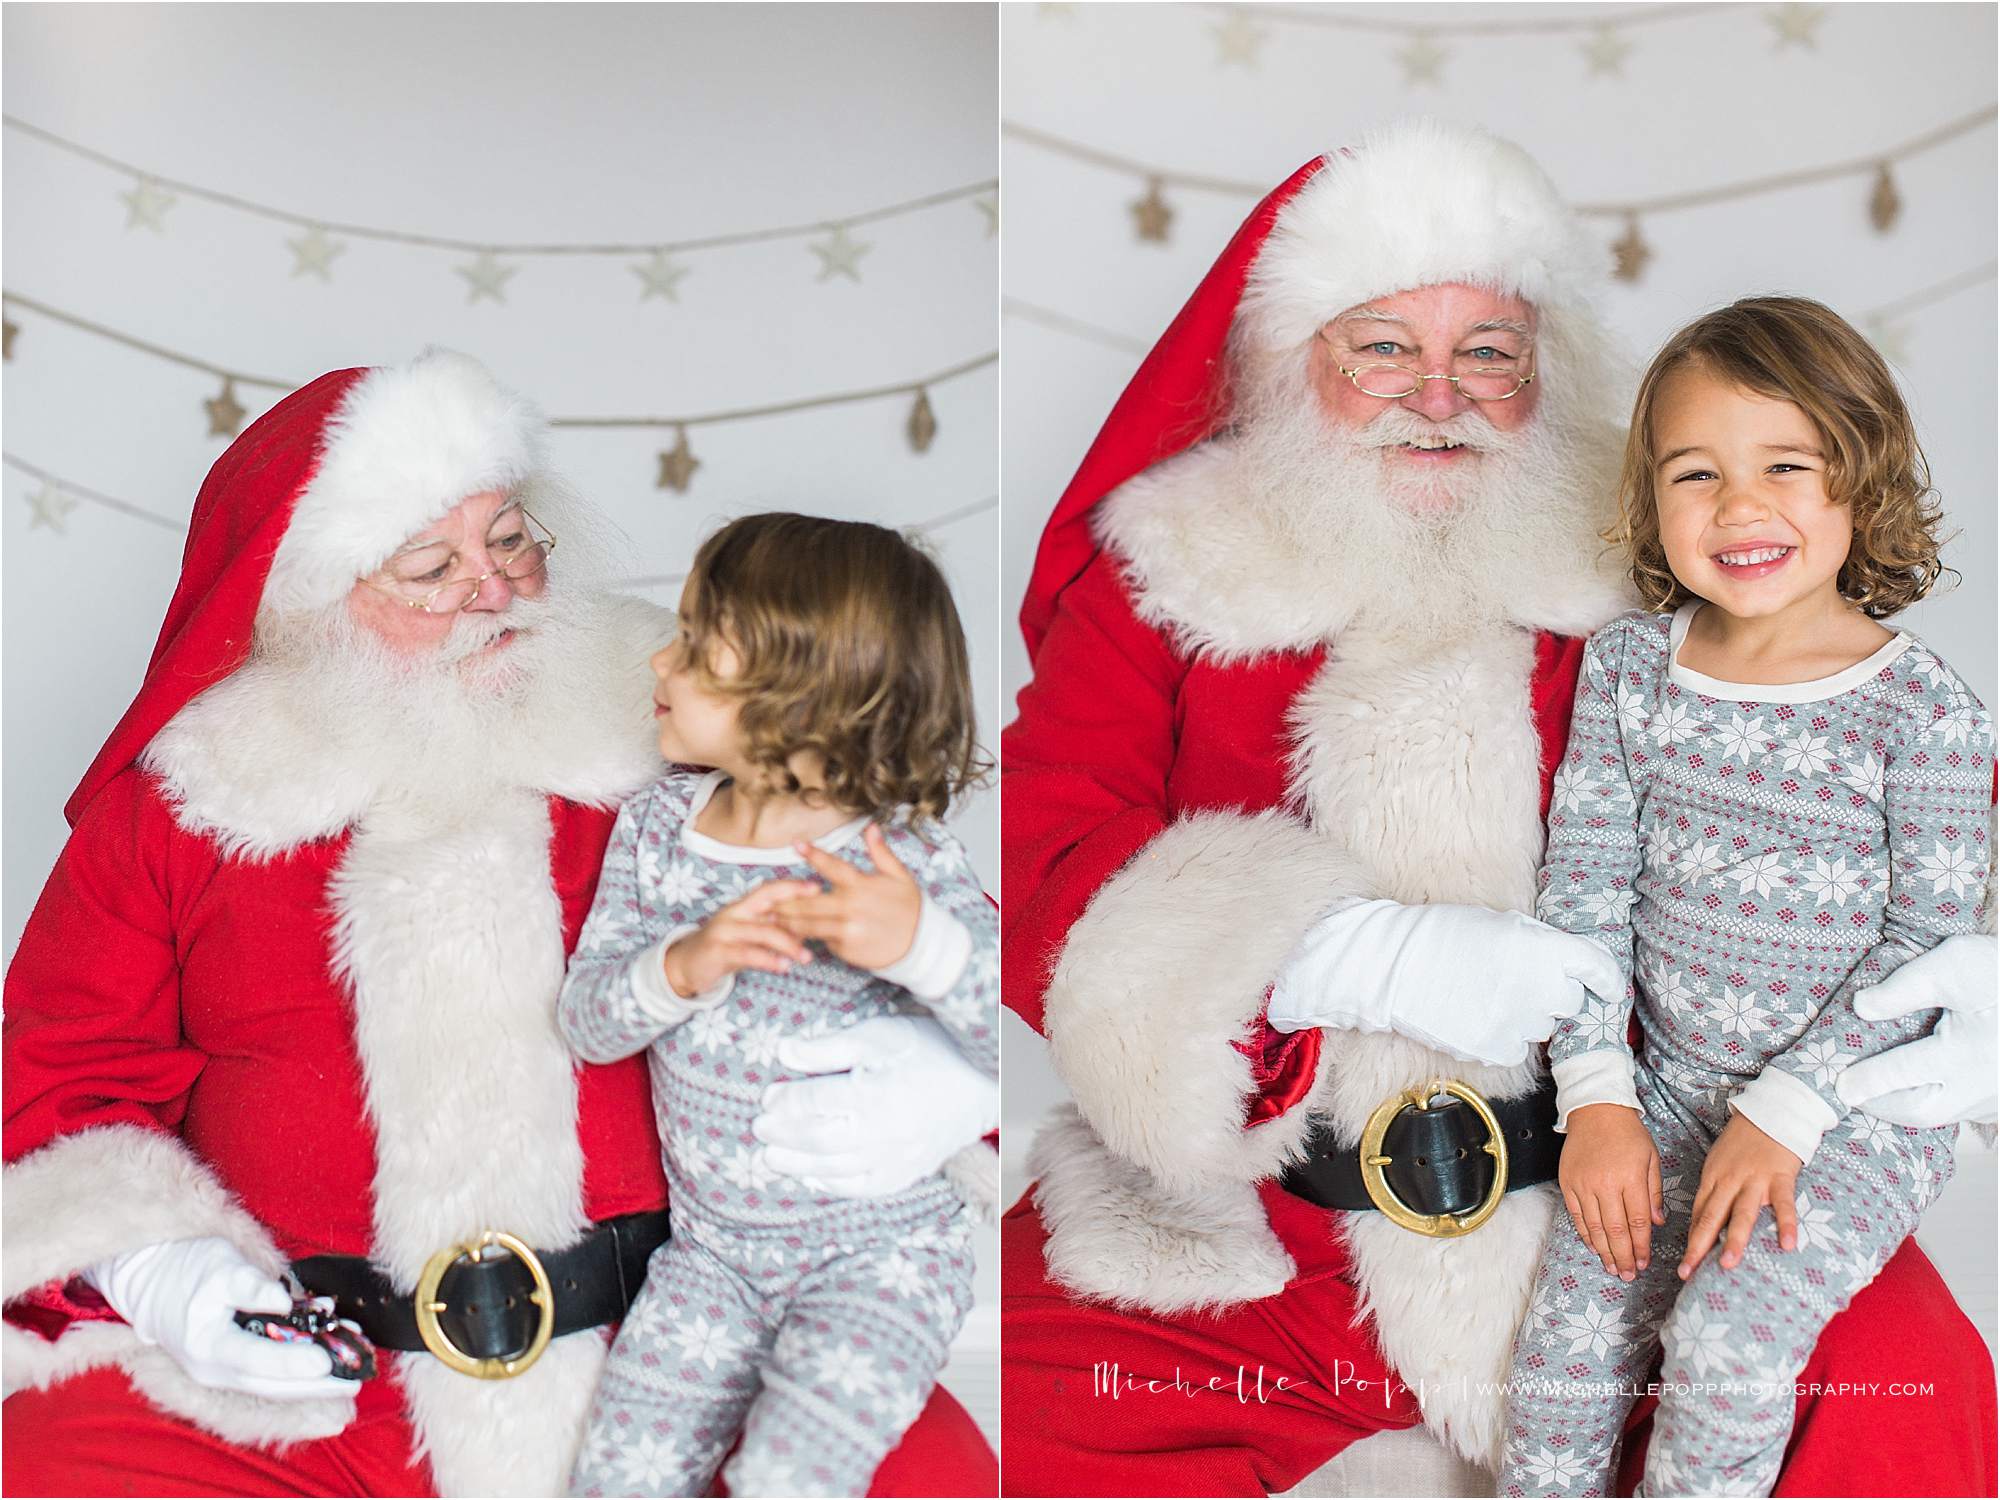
x=838 y=254
x=677 y=465
x=1153 y=214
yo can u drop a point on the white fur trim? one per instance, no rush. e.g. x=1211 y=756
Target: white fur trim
x=1205 y=562
x=107 y=1190
x=974 y=1171
x=247 y=765
x=449 y=930
x=1168 y=966
x=407 y=443
x=1418 y=203
x=1116 y=1235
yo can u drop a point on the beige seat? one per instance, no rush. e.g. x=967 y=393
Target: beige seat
x=1408 y=1462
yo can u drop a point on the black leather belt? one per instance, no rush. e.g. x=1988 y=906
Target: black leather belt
x=1437 y=1163
x=488 y=1313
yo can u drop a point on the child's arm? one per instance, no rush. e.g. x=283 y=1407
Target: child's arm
x=1588 y=880
x=1936 y=783
x=617 y=996
x=929 y=929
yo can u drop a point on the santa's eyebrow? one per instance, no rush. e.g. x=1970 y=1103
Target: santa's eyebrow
x=1503 y=325
x=1490 y=325
x=508 y=509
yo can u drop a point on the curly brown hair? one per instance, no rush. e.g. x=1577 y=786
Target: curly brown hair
x=1797 y=350
x=848 y=648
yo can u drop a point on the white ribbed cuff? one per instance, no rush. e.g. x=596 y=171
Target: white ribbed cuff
x=937 y=957
x=1787 y=1110
x=1602 y=1077
x=649 y=983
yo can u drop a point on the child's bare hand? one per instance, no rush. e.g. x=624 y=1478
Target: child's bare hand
x=1745 y=1170
x=1610 y=1176
x=742 y=935
x=865 y=920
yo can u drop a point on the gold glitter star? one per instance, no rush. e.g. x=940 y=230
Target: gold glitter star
x=225 y=412
x=314 y=251
x=1151 y=214
x=660 y=276
x=1795 y=23
x=486 y=277
x=146 y=203
x=677 y=465
x=1632 y=252
x=1884 y=205
x=1605 y=51
x=50 y=505
x=1238 y=39
x=923 y=423
x=840 y=254
x=1421 y=59
x=8 y=328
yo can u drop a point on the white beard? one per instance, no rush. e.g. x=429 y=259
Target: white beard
x=1435 y=555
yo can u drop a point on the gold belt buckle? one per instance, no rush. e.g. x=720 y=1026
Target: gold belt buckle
x=1376 y=1182
x=428 y=1307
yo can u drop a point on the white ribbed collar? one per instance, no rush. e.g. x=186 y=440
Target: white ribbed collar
x=1818 y=689
x=749 y=854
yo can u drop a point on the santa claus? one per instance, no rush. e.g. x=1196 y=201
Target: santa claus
x=1305 y=632
x=288 y=999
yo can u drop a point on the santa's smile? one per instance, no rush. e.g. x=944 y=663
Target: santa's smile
x=1753 y=560
x=1431 y=452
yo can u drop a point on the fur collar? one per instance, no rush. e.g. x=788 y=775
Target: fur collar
x=1206 y=563
x=240 y=765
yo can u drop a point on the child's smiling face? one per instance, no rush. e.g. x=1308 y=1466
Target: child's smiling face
x=697 y=725
x=1741 y=488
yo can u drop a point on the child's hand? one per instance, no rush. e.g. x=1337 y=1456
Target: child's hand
x=1745 y=1170
x=865 y=920
x=742 y=935
x=1610 y=1176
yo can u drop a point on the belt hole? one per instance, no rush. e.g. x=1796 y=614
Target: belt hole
x=510 y=1301
x=569 y=1286
x=1524 y=1133
x=1422 y=1162
x=1461 y=1153
x=472 y=1309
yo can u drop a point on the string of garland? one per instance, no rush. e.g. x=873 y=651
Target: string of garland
x=1244 y=29
x=1880 y=323
x=839 y=253
x=677 y=464
x=1152 y=214
x=50 y=507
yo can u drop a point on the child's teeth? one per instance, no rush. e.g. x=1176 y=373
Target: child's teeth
x=1762 y=554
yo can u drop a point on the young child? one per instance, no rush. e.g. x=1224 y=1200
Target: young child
x=1769 y=802
x=819 y=671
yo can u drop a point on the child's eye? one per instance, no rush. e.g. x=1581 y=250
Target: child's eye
x=1799 y=467
x=1694 y=474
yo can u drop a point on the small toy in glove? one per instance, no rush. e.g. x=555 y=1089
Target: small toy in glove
x=312 y=1321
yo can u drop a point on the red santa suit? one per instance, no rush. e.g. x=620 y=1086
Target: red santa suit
x=264 y=997
x=1215 y=747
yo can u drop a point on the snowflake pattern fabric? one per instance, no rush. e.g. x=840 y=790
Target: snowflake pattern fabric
x=1752 y=863
x=814 y=1325
x=1733 y=1341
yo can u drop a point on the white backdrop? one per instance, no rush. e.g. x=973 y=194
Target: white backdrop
x=509 y=123
x=1703 y=99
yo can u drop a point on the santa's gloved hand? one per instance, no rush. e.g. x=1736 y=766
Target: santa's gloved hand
x=1482 y=985
x=905 y=1102
x=183 y=1296
x=1948 y=1075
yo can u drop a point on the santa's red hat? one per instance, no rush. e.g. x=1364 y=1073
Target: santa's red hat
x=1417 y=203
x=316 y=492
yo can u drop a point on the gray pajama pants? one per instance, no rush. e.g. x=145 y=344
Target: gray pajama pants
x=1734 y=1340
x=821 y=1357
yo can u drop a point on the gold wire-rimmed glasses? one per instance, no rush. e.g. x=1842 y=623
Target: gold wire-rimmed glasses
x=520 y=561
x=1392 y=382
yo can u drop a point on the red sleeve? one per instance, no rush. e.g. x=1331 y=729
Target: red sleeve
x=93 y=1026
x=1084 y=771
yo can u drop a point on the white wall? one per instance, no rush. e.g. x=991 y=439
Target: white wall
x=511 y=123
x=1704 y=100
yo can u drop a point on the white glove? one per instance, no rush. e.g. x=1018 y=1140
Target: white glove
x=906 y=1103
x=181 y=1295
x=1948 y=1075
x=1482 y=985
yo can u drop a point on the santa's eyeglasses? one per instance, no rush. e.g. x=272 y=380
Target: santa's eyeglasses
x=1475 y=381
x=522 y=554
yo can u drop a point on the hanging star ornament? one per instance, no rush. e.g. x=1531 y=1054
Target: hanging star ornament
x=677 y=465
x=1237 y=40
x=1632 y=251
x=840 y=254
x=1795 y=23
x=1884 y=204
x=659 y=276
x=1891 y=340
x=8 y=328
x=313 y=253
x=1606 y=52
x=486 y=277
x=50 y=505
x=922 y=426
x=225 y=412
x=1151 y=215
x=1421 y=59
x=147 y=203
x=989 y=205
